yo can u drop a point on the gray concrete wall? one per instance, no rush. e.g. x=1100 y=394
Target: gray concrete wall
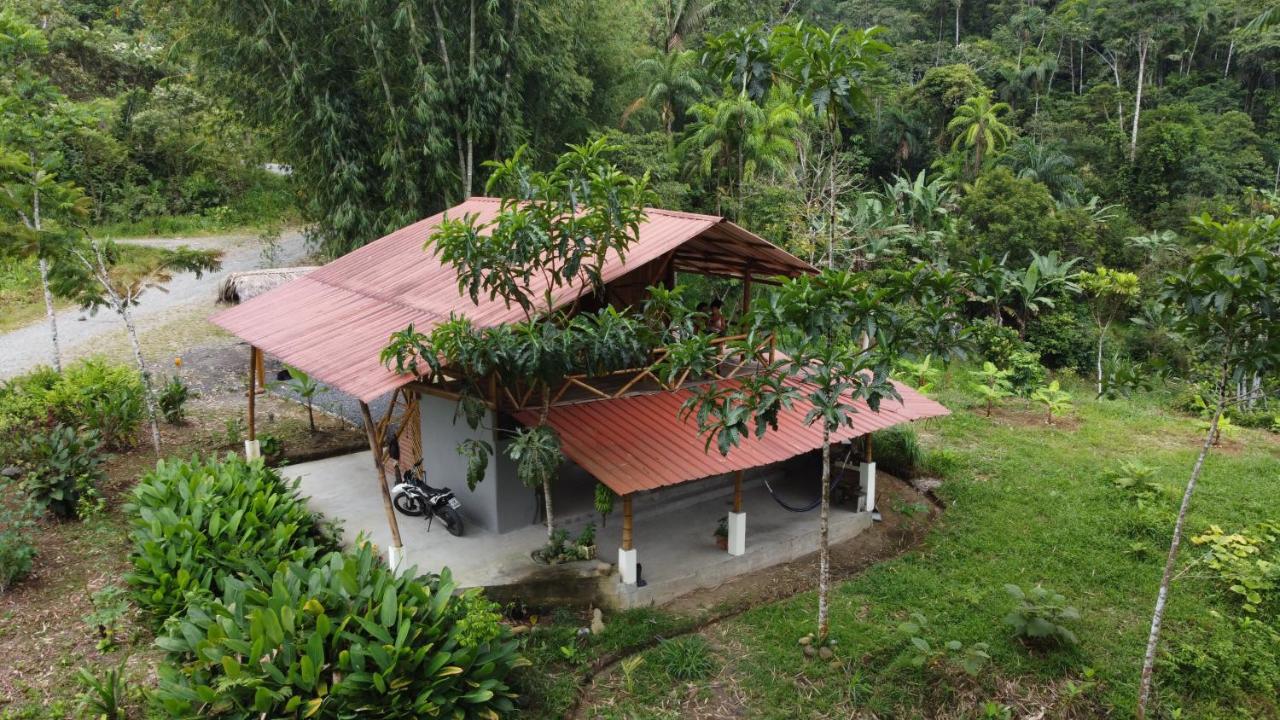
x=499 y=503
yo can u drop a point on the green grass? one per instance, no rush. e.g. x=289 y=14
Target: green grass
x=1027 y=505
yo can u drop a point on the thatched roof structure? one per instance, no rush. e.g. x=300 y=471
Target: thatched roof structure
x=238 y=287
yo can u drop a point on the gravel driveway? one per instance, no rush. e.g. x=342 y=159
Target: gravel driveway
x=23 y=349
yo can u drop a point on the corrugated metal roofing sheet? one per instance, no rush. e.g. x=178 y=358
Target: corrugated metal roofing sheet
x=333 y=322
x=639 y=442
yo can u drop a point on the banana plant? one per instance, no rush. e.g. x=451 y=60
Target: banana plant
x=1055 y=400
x=992 y=384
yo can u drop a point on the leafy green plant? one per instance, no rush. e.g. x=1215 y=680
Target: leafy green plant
x=604 y=497
x=103 y=397
x=920 y=373
x=685 y=658
x=1136 y=481
x=233 y=429
x=338 y=637
x=921 y=652
x=61 y=471
x=897 y=450
x=110 y=605
x=1246 y=563
x=305 y=387
x=991 y=384
x=1056 y=400
x=1039 y=615
x=587 y=537
x=629 y=665
x=271 y=447
x=196 y=524
x=104 y=696
x=16 y=548
x=172 y=399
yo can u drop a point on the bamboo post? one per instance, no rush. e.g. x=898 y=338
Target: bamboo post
x=396 y=552
x=261 y=367
x=626 y=522
x=251 y=448
x=737 y=492
x=746 y=290
x=867 y=450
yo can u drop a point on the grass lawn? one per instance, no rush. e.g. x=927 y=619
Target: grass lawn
x=1026 y=506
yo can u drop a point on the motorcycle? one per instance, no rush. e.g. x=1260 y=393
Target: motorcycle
x=412 y=496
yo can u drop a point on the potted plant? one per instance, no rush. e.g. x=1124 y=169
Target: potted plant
x=722 y=533
x=586 y=542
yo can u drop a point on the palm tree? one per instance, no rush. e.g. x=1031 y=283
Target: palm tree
x=1036 y=74
x=978 y=128
x=1045 y=164
x=673 y=85
x=683 y=19
x=732 y=139
x=905 y=133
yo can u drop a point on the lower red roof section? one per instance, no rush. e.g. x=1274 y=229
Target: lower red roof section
x=640 y=442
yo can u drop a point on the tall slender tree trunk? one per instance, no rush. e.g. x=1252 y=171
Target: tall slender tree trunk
x=1144 y=44
x=957 y=3
x=1102 y=336
x=1231 y=50
x=1162 y=597
x=468 y=180
x=147 y=394
x=831 y=204
x=50 y=314
x=824 y=549
x=546 y=481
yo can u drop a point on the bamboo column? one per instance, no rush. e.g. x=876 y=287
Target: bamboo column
x=261 y=367
x=626 y=522
x=737 y=492
x=253 y=366
x=396 y=552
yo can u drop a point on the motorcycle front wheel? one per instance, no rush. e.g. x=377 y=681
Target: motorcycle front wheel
x=452 y=520
x=407 y=504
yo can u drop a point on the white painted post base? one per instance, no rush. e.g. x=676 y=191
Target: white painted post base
x=627 y=566
x=395 y=556
x=251 y=450
x=867 y=478
x=737 y=533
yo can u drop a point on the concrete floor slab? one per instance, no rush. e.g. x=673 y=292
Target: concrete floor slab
x=676 y=547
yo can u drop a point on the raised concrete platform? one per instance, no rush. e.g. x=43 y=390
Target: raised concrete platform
x=675 y=543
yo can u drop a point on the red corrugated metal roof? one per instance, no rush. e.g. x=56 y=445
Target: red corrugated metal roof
x=639 y=442
x=333 y=322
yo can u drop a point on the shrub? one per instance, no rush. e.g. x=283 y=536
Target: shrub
x=685 y=658
x=897 y=451
x=1025 y=371
x=1245 y=563
x=1039 y=614
x=16 y=549
x=921 y=652
x=1063 y=340
x=991 y=384
x=100 y=396
x=198 y=523
x=344 y=638
x=61 y=471
x=173 y=400
x=92 y=394
x=1055 y=400
x=996 y=343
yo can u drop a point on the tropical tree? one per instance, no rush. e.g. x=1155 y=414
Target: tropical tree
x=1046 y=278
x=1045 y=164
x=830 y=70
x=992 y=383
x=732 y=140
x=979 y=129
x=101 y=283
x=1109 y=292
x=673 y=86
x=38 y=209
x=683 y=19
x=818 y=321
x=551 y=235
x=744 y=60
x=1227 y=301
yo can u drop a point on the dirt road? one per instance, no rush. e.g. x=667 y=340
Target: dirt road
x=79 y=332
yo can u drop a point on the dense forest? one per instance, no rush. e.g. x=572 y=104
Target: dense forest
x=1011 y=202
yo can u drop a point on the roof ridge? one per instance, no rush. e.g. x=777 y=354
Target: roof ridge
x=648 y=210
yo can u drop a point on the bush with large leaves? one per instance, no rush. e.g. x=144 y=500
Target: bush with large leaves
x=198 y=523
x=61 y=467
x=345 y=637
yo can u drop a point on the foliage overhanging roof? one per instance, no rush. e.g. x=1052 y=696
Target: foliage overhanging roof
x=332 y=323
